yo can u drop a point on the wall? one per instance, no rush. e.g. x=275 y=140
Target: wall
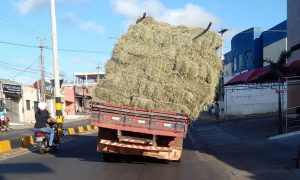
x=252 y=99
x=293 y=93
x=69 y=100
x=273 y=51
x=293 y=26
x=30 y=94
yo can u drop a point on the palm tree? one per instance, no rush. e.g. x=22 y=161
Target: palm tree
x=277 y=69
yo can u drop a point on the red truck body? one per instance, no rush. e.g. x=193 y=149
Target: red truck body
x=127 y=130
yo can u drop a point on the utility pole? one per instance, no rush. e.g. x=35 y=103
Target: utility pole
x=221 y=83
x=58 y=105
x=98 y=73
x=42 y=82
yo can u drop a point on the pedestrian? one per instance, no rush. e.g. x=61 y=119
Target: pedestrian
x=217 y=113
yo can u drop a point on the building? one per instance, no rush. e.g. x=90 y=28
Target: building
x=274 y=41
x=20 y=101
x=246 y=60
x=293 y=25
x=250 y=47
x=246 y=50
x=78 y=95
x=293 y=44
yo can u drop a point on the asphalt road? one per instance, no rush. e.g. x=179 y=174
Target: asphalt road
x=78 y=159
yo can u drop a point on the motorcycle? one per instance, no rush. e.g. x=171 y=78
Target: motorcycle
x=42 y=140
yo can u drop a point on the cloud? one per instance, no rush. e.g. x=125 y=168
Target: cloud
x=71 y=20
x=190 y=14
x=27 y=6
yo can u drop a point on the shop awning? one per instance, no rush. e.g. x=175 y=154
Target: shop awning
x=264 y=74
x=248 y=77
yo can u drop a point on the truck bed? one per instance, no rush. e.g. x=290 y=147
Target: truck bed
x=127 y=118
x=126 y=130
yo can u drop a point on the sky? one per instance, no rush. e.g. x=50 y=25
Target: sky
x=87 y=30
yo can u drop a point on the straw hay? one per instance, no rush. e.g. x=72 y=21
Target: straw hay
x=158 y=66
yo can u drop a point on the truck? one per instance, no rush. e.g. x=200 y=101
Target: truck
x=135 y=131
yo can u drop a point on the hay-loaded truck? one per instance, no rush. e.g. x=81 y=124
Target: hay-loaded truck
x=127 y=130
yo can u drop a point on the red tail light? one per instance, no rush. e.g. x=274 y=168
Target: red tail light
x=39 y=134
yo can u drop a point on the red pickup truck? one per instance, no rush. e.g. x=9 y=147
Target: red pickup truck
x=127 y=130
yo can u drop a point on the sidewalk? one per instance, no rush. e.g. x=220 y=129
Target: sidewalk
x=14 y=125
x=244 y=145
x=21 y=130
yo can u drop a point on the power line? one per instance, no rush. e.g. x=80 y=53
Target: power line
x=19 y=25
x=16 y=44
x=61 y=49
x=25 y=69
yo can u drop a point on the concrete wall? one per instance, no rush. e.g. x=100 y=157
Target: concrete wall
x=69 y=100
x=252 y=99
x=30 y=95
x=293 y=24
x=273 y=50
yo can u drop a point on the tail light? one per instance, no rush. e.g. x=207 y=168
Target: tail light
x=39 y=134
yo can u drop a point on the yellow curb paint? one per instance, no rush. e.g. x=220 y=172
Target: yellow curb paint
x=71 y=131
x=5 y=146
x=80 y=129
x=27 y=141
x=88 y=127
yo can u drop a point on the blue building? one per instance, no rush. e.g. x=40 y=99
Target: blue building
x=247 y=48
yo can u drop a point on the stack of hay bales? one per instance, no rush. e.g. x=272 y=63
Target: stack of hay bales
x=159 y=66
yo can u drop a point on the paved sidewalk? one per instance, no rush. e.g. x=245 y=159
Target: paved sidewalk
x=14 y=125
x=244 y=146
x=25 y=130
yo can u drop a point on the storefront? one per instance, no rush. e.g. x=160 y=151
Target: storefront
x=12 y=95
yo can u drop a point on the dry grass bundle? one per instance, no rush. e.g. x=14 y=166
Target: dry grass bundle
x=159 y=66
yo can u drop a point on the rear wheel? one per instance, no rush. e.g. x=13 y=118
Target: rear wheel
x=41 y=147
x=57 y=147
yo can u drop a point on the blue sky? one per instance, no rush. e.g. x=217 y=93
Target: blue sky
x=93 y=27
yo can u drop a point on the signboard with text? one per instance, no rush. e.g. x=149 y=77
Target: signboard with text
x=11 y=89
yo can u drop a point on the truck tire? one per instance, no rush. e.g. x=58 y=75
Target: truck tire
x=107 y=157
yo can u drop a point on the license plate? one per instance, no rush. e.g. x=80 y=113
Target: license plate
x=39 y=139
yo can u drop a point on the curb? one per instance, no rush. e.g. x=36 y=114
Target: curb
x=28 y=141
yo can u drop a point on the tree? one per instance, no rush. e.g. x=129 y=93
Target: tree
x=277 y=69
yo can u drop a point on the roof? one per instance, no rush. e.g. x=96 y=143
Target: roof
x=89 y=75
x=265 y=74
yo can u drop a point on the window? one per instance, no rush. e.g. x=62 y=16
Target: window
x=241 y=62
x=28 y=104
x=234 y=64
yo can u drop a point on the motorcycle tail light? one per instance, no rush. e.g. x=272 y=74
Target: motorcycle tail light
x=39 y=134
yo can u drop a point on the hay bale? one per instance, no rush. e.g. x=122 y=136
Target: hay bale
x=159 y=66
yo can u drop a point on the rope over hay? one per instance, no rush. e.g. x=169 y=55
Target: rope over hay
x=159 y=66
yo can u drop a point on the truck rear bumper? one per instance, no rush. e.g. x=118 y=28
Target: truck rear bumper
x=168 y=153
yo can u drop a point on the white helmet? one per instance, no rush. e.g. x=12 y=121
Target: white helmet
x=42 y=105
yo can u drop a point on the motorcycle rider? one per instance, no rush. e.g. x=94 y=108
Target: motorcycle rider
x=43 y=117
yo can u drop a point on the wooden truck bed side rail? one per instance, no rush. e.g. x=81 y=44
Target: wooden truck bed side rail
x=128 y=119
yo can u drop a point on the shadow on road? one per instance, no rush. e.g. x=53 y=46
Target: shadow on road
x=23 y=168
x=244 y=145
x=84 y=149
